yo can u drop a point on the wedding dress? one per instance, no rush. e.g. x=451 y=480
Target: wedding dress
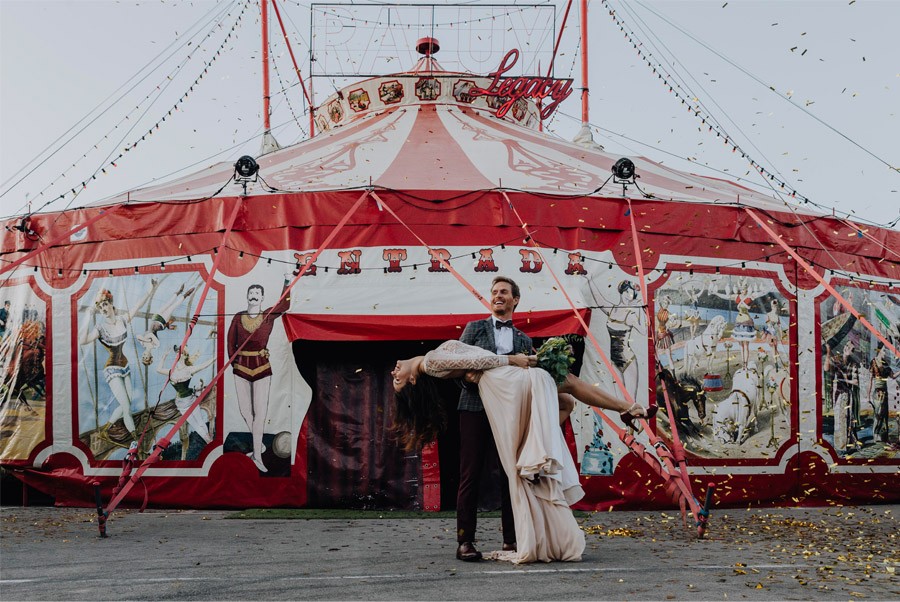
x=523 y=412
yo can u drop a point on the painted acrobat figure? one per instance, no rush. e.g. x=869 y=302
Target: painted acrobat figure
x=161 y=321
x=111 y=329
x=180 y=378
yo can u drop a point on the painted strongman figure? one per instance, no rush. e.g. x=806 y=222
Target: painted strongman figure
x=251 y=367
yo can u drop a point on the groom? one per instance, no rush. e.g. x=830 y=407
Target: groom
x=476 y=441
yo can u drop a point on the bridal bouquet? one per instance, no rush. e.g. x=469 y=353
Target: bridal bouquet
x=555 y=356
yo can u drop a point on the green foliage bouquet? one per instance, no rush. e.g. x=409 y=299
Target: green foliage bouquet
x=555 y=356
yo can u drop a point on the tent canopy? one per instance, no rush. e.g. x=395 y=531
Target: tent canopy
x=425 y=132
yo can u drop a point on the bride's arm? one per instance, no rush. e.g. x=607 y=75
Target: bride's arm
x=456 y=356
x=449 y=374
x=438 y=363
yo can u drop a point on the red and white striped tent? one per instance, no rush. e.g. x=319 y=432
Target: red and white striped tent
x=380 y=231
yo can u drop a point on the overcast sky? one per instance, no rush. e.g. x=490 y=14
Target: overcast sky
x=809 y=89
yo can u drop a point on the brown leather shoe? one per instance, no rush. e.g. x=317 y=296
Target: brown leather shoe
x=467 y=552
x=509 y=547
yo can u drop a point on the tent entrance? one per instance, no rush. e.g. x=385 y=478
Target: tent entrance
x=352 y=458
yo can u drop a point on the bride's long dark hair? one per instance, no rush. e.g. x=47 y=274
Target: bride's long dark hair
x=419 y=414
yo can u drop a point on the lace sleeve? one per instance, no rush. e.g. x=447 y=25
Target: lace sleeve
x=455 y=355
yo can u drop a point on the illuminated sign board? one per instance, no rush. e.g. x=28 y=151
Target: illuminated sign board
x=511 y=89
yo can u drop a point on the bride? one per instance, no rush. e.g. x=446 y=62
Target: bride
x=523 y=410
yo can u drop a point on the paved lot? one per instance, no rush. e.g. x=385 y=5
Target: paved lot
x=834 y=553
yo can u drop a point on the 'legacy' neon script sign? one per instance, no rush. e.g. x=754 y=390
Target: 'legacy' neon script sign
x=514 y=88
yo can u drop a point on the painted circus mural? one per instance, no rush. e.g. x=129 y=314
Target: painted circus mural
x=725 y=341
x=129 y=328
x=228 y=337
x=860 y=377
x=89 y=371
x=23 y=371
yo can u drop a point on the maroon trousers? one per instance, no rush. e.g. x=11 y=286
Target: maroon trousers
x=476 y=447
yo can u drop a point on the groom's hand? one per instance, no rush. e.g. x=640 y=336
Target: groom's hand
x=473 y=376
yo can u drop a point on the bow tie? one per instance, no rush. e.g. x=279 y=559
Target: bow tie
x=498 y=324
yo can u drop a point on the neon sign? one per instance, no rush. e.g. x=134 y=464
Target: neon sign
x=514 y=88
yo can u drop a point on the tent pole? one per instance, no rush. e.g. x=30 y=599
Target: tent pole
x=264 y=4
x=562 y=27
x=287 y=43
x=558 y=39
x=584 y=65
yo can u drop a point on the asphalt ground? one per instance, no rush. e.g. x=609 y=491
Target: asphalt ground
x=830 y=553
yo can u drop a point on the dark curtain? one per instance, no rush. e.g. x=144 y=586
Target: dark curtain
x=352 y=459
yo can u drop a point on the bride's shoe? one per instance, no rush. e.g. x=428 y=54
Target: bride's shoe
x=630 y=419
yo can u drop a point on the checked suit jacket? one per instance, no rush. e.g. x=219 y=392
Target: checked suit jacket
x=480 y=333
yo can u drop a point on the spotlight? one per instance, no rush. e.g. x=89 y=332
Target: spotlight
x=623 y=169
x=246 y=167
x=245 y=171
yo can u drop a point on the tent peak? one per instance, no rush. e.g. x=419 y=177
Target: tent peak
x=427 y=47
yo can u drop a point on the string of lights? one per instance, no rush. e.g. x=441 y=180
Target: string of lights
x=601 y=130
x=585 y=257
x=287 y=98
x=156 y=91
x=113 y=163
x=432 y=203
x=696 y=98
x=695 y=107
x=661 y=49
x=772 y=89
x=113 y=99
x=341 y=16
x=436 y=204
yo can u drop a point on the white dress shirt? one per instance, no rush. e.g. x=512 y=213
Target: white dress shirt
x=503 y=338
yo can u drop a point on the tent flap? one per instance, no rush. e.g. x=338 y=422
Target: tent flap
x=343 y=327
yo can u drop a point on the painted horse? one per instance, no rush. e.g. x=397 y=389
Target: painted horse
x=682 y=394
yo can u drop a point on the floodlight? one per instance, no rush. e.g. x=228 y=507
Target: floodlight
x=246 y=167
x=623 y=169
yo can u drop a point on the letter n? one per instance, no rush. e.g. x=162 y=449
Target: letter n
x=349 y=261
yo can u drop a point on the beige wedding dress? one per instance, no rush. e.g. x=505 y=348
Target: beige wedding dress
x=523 y=412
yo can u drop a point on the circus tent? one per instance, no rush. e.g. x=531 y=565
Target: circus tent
x=372 y=241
